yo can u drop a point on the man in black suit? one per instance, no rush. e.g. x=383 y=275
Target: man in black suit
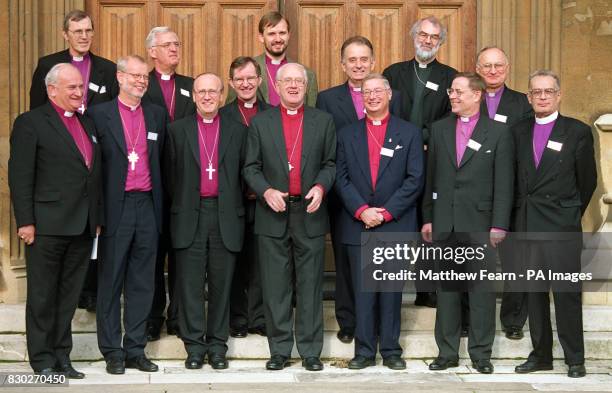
x=246 y=302
x=555 y=179
x=345 y=103
x=468 y=191
x=131 y=135
x=204 y=160
x=99 y=85
x=173 y=92
x=380 y=178
x=506 y=106
x=54 y=174
x=290 y=165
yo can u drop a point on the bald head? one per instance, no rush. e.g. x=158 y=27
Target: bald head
x=207 y=94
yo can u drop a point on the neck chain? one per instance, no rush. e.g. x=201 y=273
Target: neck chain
x=209 y=157
x=297 y=138
x=132 y=156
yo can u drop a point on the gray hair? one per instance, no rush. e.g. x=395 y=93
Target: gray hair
x=373 y=76
x=206 y=74
x=282 y=69
x=150 y=41
x=486 y=48
x=416 y=27
x=545 y=73
x=122 y=62
x=53 y=74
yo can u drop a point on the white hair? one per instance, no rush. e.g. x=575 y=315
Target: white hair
x=150 y=41
x=53 y=74
x=282 y=69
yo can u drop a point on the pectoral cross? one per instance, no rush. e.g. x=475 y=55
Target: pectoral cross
x=290 y=166
x=210 y=170
x=133 y=158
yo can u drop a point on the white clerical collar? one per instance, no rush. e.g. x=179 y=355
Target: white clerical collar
x=249 y=104
x=548 y=119
x=68 y=114
x=465 y=119
x=77 y=58
x=208 y=121
x=132 y=107
x=491 y=94
x=421 y=65
x=165 y=77
x=376 y=122
x=275 y=62
x=292 y=112
x=356 y=89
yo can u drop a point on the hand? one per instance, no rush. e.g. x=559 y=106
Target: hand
x=26 y=233
x=372 y=217
x=496 y=236
x=98 y=230
x=275 y=199
x=316 y=194
x=426 y=231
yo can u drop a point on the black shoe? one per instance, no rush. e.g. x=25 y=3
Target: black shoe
x=194 y=361
x=426 y=299
x=530 y=366
x=440 y=364
x=576 y=371
x=172 y=330
x=47 y=372
x=312 y=364
x=217 y=361
x=261 y=330
x=153 y=332
x=277 y=362
x=465 y=331
x=238 y=332
x=483 y=366
x=394 y=362
x=82 y=304
x=88 y=303
x=115 y=366
x=70 y=372
x=359 y=362
x=346 y=335
x=514 y=333
x=141 y=363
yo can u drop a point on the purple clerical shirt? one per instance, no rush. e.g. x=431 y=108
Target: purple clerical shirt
x=76 y=130
x=271 y=70
x=463 y=132
x=135 y=134
x=83 y=64
x=541 y=132
x=209 y=134
x=493 y=100
x=166 y=82
x=357 y=101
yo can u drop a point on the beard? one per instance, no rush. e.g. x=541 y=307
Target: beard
x=276 y=53
x=426 y=55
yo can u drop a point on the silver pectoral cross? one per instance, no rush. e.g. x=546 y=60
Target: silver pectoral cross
x=210 y=170
x=133 y=159
x=290 y=166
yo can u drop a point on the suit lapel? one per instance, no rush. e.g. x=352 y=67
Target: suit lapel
x=261 y=59
x=345 y=102
x=150 y=127
x=192 y=134
x=276 y=130
x=154 y=89
x=392 y=139
x=550 y=156
x=308 y=136
x=96 y=76
x=115 y=125
x=226 y=132
x=479 y=135
x=91 y=133
x=181 y=101
x=434 y=77
x=64 y=134
x=525 y=149
x=362 y=155
x=448 y=135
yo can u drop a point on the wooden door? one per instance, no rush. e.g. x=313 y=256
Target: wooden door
x=320 y=27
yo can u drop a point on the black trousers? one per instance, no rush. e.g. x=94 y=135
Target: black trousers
x=513 y=311
x=55 y=267
x=277 y=273
x=90 y=286
x=127 y=266
x=246 y=302
x=205 y=260
x=164 y=249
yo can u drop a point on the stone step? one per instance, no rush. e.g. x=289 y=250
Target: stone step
x=596 y=318
x=416 y=345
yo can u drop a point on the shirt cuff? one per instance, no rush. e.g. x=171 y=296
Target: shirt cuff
x=387 y=216
x=498 y=230
x=360 y=210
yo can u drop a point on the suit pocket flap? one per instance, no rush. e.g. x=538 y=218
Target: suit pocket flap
x=47 y=196
x=570 y=202
x=485 y=205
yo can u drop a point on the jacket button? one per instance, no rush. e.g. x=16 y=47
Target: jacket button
x=547 y=196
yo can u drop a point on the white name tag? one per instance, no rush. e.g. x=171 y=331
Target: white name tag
x=103 y=90
x=152 y=136
x=500 y=118
x=185 y=92
x=432 y=86
x=556 y=146
x=94 y=139
x=472 y=144
x=386 y=152
x=94 y=87
x=434 y=195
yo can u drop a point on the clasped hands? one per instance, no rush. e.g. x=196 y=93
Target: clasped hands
x=372 y=217
x=276 y=199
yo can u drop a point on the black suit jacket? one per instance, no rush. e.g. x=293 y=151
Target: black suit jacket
x=51 y=187
x=513 y=107
x=182 y=176
x=553 y=197
x=183 y=102
x=436 y=104
x=398 y=184
x=476 y=195
x=337 y=101
x=103 y=75
x=231 y=109
x=114 y=157
x=266 y=166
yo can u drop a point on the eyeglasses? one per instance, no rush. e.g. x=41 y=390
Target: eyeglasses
x=375 y=92
x=251 y=80
x=211 y=93
x=457 y=92
x=489 y=66
x=289 y=81
x=87 y=32
x=167 y=45
x=543 y=93
x=423 y=36
x=138 y=77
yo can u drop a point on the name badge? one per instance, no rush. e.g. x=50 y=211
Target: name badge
x=152 y=136
x=432 y=86
x=556 y=146
x=500 y=118
x=185 y=92
x=103 y=90
x=94 y=87
x=386 y=152
x=434 y=195
x=94 y=139
x=472 y=144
